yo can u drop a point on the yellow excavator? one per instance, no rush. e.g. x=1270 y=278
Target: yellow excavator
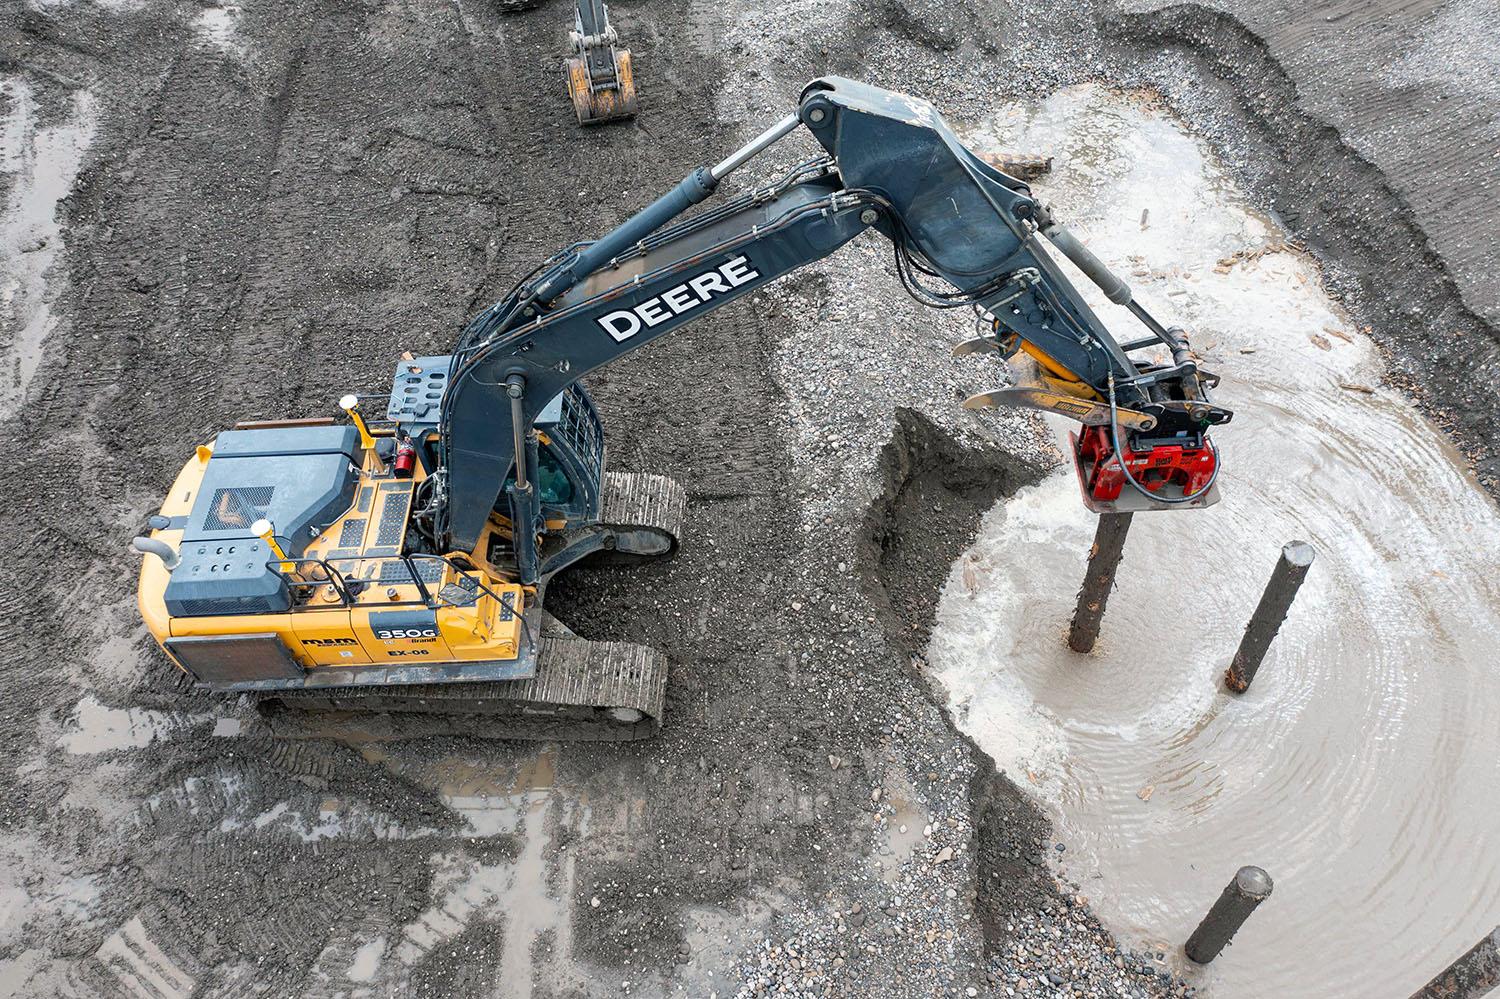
x=601 y=83
x=395 y=556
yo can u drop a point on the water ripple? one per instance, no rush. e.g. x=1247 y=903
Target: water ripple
x=1360 y=767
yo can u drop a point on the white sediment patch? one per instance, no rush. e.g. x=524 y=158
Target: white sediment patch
x=219 y=27
x=1359 y=769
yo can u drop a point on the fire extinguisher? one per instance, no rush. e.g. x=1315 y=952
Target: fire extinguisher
x=406 y=456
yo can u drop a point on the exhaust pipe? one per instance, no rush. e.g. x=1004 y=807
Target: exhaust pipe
x=162 y=550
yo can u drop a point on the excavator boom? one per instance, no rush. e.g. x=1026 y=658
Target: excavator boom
x=895 y=167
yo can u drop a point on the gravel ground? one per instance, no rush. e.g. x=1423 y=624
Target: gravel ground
x=274 y=200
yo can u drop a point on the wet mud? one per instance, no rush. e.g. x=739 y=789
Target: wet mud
x=40 y=160
x=252 y=209
x=275 y=201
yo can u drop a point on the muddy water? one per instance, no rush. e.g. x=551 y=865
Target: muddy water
x=94 y=727
x=529 y=894
x=38 y=164
x=1360 y=768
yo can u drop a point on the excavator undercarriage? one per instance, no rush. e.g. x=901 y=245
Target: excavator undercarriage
x=567 y=686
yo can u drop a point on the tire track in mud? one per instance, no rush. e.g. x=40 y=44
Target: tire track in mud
x=191 y=317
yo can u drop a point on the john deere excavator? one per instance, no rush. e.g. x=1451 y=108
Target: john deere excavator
x=397 y=560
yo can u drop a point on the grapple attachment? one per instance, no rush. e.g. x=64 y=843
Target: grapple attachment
x=1166 y=469
x=1154 y=455
x=600 y=80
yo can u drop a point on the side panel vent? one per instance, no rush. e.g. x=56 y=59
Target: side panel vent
x=352 y=533
x=230 y=658
x=393 y=518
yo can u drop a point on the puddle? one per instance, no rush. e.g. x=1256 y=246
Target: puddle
x=27 y=894
x=536 y=888
x=366 y=961
x=114 y=658
x=903 y=830
x=43 y=900
x=529 y=897
x=334 y=819
x=494 y=801
x=715 y=939
x=536 y=909
x=1359 y=770
x=141 y=966
x=102 y=788
x=40 y=164
x=98 y=728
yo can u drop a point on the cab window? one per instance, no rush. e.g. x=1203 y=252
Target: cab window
x=553 y=485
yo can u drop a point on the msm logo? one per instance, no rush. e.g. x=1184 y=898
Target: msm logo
x=678 y=299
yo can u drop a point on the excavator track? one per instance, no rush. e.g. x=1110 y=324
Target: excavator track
x=646 y=513
x=583 y=690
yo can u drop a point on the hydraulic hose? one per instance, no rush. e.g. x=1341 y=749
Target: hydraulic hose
x=693 y=188
x=1114 y=436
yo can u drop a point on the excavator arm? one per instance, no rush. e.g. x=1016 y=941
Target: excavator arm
x=965 y=236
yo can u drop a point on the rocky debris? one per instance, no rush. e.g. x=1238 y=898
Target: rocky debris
x=1063 y=951
x=1059 y=952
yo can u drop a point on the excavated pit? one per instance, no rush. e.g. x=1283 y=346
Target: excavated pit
x=933 y=493
x=1358 y=761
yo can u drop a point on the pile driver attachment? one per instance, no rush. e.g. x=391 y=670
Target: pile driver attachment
x=1152 y=453
x=600 y=80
